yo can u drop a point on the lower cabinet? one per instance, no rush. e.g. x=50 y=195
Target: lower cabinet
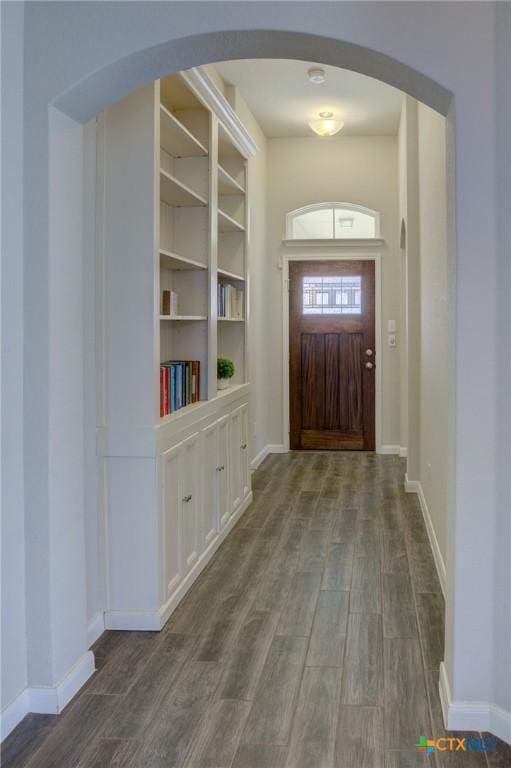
x=181 y=490
x=235 y=438
x=190 y=500
x=224 y=472
x=205 y=480
x=216 y=490
x=244 y=458
x=172 y=494
x=240 y=483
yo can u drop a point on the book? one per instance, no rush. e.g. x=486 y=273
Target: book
x=169 y=303
x=165 y=302
x=230 y=302
x=179 y=384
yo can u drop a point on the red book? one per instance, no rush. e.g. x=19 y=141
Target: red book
x=166 y=392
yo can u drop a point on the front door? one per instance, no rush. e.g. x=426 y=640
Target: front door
x=332 y=357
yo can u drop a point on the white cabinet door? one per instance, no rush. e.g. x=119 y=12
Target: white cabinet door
x=235 y=439
x=244 y=464
x=172 y=494
x=190 y=500
x=210 y=481
x=223 y=471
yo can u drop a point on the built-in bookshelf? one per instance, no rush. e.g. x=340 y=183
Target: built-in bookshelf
x=172 y=217
x=203 y=236
x=177 y=187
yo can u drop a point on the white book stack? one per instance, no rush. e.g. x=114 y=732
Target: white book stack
x=230 y=302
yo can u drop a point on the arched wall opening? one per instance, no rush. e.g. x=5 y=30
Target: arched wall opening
x=101 y=89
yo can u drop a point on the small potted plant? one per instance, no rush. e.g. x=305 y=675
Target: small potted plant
x=225 y=371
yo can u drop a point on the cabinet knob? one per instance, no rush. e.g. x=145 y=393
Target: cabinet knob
x=243 y=446
x=219 y=469
x=188 y=498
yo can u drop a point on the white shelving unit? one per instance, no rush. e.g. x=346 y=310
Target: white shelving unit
x=172 y=175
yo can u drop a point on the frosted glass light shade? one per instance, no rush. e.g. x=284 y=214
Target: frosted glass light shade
x=326 y=124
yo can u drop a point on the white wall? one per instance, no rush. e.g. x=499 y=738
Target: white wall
x=435 y=359
x=403 y=236
x=360 y=170
x=410 y=282
x=13 y=626
x=93 y=393
x=502 y=568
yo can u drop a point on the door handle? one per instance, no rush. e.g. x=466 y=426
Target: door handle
x=369 y=365
x=369 y=352
x=188 y=498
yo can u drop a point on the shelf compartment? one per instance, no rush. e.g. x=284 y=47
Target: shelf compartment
x=175 y=193
x=183 y=318
x=169 y=260
x=224 y=273
x=176 y=139
x=227 y=224
x=227 y=184
x=231 y=319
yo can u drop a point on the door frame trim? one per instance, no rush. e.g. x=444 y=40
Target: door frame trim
x=347 y=256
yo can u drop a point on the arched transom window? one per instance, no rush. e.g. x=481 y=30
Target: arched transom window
x=332 y=221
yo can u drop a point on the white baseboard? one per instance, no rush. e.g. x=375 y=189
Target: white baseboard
x=277 y=448
x=472 y=715
x=144 y=621
x=415 y=486
x=393 y=450
x=13 y=714
x=259 y=458
x=53 y=699
x=389 y=450
x=50 y=699
x=270 y=448
x=437 y=554
x=155 y=620
x=95 y=628
x=411 y=486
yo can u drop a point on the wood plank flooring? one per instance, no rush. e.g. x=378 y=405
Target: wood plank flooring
x=312 y=640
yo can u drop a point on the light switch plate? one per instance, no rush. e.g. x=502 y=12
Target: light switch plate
x=391 y=326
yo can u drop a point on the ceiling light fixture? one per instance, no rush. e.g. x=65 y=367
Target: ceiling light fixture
x=326 y=124
x=316 y=75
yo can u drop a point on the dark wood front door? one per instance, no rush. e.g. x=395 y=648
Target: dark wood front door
x=332 y=356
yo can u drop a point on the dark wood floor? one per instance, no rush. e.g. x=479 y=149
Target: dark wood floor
x=312 y=640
